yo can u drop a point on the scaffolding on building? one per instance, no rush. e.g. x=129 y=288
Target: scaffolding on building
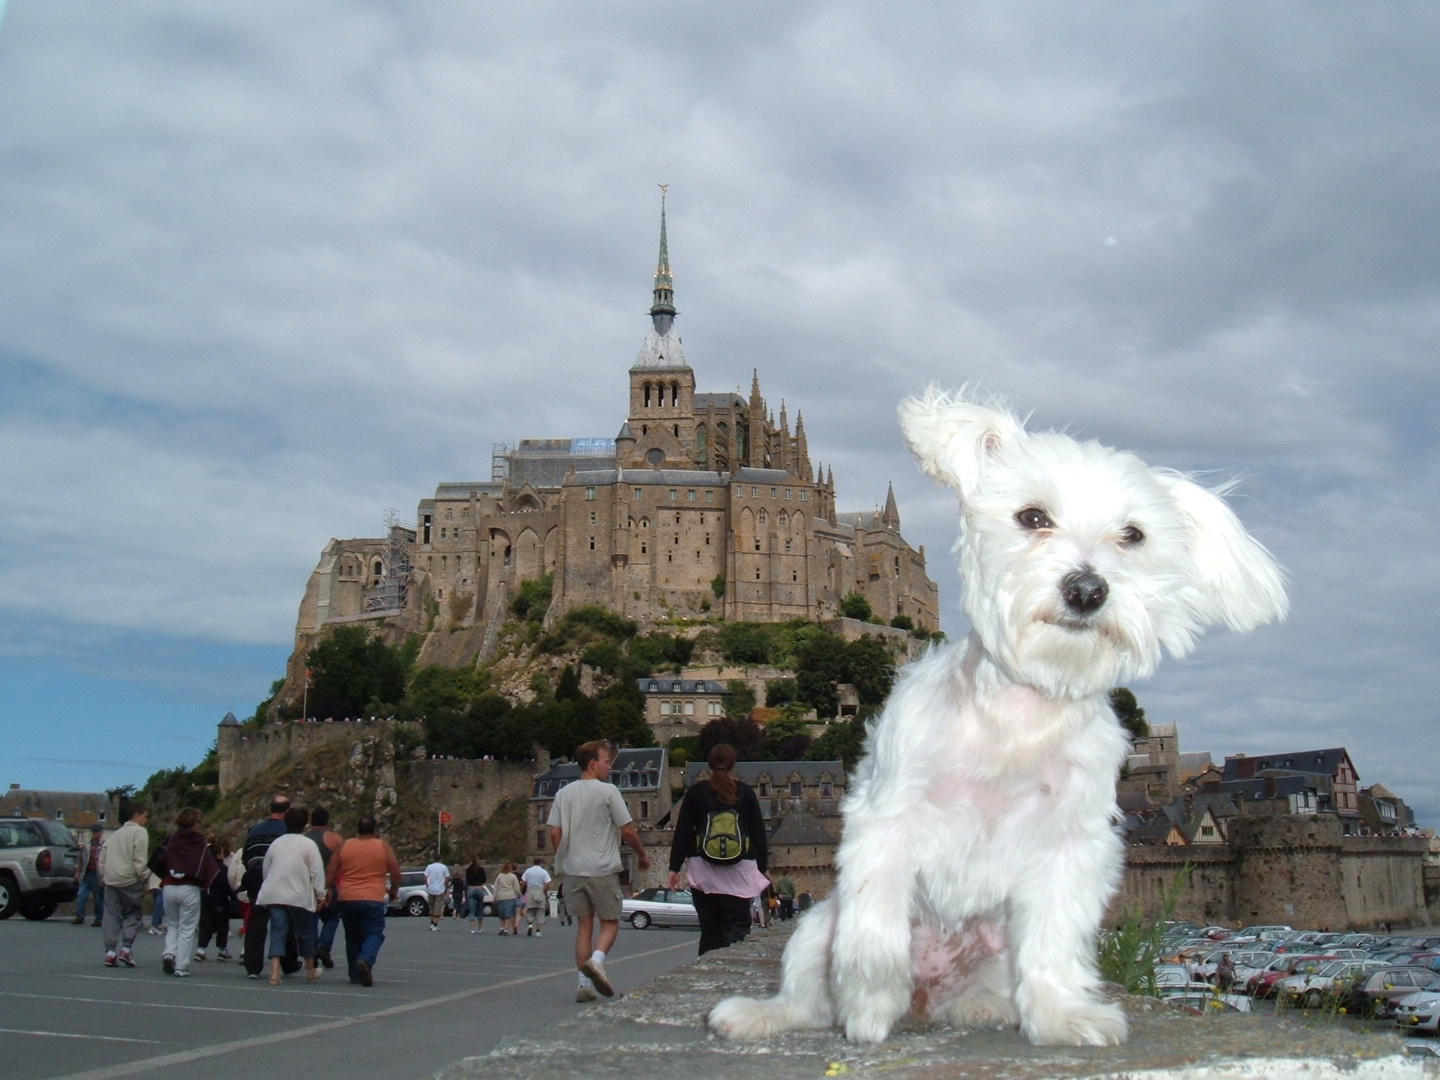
x=500 y=462
x=388 y=593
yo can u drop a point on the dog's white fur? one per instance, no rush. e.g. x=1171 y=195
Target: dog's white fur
x=984 y=806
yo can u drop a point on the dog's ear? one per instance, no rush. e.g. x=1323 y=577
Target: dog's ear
x=1235 y=571
x=952 y=437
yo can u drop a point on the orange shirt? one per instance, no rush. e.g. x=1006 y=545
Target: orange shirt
x=360 y=867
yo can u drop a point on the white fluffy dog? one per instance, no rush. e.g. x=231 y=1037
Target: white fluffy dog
x=980 y=846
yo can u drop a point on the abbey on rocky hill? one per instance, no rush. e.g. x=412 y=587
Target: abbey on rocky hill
x=702 y=505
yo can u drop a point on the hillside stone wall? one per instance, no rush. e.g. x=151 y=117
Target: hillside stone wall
x=245 y=752
x=469 y=790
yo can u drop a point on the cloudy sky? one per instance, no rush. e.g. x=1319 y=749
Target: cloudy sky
x=269 y=269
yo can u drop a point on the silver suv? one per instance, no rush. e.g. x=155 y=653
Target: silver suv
x=414 y=900
x=37 y=866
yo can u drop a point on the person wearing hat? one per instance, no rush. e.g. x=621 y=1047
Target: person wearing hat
x=88 y=875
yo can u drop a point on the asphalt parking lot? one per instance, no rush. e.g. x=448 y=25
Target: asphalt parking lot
x=438 y=997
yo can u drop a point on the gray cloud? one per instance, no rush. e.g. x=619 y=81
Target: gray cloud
x=270 y=270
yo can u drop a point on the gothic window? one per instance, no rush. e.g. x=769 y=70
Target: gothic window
x=647 y=395
x=675 y=395
x=784 y=519
x=700 y=439
x=379 y=568
x=764 y=517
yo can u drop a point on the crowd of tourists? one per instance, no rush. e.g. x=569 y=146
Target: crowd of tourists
x=295 y=881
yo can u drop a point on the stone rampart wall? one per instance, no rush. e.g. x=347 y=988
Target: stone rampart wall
x=245 y=752
x=1298 y=871
x=469 y=790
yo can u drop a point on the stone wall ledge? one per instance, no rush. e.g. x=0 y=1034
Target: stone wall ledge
x=658 y=1032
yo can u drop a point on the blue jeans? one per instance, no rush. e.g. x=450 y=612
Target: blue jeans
x=475 y=902
x=364 y=931
x=157 y=916
x=89 y=886
x=329 y=917
x=283 y=919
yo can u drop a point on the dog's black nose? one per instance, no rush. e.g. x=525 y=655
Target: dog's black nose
x=1084 y=591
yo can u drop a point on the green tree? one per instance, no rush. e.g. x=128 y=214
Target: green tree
x=742 y=733
x=780 y=692
x=738 y=699
x=1131 y=715
x=352 y=673
x=819 y=668
x=843 y=739
x=854 y=606
x=903 y=622
x=871 y=668
x=533 y=599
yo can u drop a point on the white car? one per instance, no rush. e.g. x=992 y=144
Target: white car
x=1310 y=989
x=660 y=907
x=1419 y=1011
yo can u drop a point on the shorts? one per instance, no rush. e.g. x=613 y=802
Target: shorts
x=505 y=908
x=437 y=904
x=598 y=896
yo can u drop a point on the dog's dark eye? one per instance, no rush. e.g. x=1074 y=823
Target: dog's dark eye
x=1033 y=518
x=1131 y=536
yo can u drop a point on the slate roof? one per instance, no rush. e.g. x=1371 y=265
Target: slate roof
x=1324 y=762
x=763 y=476
x=718 y=401
x=778 y=771
x=230 y=720
x=667 y=685
x=457 y=489
x=635 y=769
x=800 y=826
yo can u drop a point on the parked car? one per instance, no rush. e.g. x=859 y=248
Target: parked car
x=1419 y=1011
x=1265 y=933
x=37 y=866
x=1374 y=995
x=1336 y=977
x=1263 y=984
x=1204 y=998
x=659 y=907
x=414 y=900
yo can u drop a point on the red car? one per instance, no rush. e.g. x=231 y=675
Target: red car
x=1262 y=984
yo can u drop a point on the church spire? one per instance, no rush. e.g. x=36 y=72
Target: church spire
x=662 y=311
x=891 y=514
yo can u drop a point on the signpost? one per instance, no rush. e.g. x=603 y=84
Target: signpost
x=440 y=831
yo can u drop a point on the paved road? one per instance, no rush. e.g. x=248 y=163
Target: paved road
x=438 y=997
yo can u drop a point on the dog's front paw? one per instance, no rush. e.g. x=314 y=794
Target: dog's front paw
x=743 y=1018
x=1088 y=1025
x=867 y=1028
x=982 y=1008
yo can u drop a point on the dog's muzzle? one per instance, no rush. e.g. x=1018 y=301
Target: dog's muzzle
x=1084 y=591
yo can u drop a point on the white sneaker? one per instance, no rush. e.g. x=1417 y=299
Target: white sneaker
x=594 y=970
x=584 y=994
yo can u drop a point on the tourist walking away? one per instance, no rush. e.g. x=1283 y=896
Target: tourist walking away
x=588 y=819
x=215 y=905
x=475 y=893
x=437 y=887
x=257 y=920
x=294 y=883
x=458 y=900
x=328 y=841
x=188 y=870
x=362 y=874
x=156 y=888
x=125 y=874
x=720 y=843
x=88 y=873
x=507 y=898
x=785 y=889
x=536 y=880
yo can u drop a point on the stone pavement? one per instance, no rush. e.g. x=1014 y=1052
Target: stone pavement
x=658 y=1031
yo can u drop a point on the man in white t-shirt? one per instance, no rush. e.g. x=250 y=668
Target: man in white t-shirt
x=437 y=887
x=537 y=897
x=587 y=822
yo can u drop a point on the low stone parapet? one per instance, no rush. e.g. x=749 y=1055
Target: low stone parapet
x=658 y=1032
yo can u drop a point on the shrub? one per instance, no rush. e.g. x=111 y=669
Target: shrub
x=746 y=643
x=717 y=586
x=903 y=622
x=855 y=606
x=352 y=673
x=780 y=692
x=533 y=599
x=739 y=699
x=585 y=624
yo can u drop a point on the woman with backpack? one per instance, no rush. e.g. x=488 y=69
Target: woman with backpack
x=720 y=842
